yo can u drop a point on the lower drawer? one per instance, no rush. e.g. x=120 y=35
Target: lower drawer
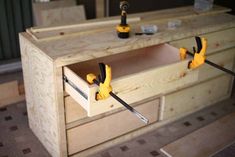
x=101 y=130
x=196 y=97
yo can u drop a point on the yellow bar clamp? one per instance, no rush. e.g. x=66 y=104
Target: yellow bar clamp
x=183 y=53
x=199 y=57
x=104 y=87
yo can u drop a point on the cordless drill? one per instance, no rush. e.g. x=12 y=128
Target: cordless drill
x=123 y=29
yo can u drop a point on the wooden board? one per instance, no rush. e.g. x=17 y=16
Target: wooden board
x=205 y=141
x=100 y=8
x=109 y=127
x=196 y=97
x=11 y=92
x=46 y=118
x=167 y=14
x=51 y=33
x=93 y=46
x=38 y=7
x=62 y=16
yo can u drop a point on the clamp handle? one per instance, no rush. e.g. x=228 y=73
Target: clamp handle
x=105 y=78
x=199 y=55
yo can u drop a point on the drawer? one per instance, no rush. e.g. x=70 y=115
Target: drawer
x=196 y=97
x=136 y=75
x=223 y=58
x=109 y=127
x=217 y=41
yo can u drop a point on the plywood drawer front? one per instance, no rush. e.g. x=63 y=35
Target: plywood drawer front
x=98 y=131
x=216 y=41
x=199 y=96
x=137 y=75
x=224 y=58
x=73 y=110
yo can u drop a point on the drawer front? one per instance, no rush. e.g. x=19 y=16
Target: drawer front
x=216 y=41
x=224 y=58
x=142 y=74
x=196 y=97
x=101 y=130
x=73 y=110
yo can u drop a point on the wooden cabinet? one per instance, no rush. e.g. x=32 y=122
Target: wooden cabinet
x=147 y=73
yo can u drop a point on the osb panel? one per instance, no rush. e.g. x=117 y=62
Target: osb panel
x=40 y=96
x=99 y=43
x=61 y=16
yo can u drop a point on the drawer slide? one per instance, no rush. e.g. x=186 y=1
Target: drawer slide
x=66 y=80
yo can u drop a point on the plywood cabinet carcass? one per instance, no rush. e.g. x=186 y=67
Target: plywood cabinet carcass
x=147 y=73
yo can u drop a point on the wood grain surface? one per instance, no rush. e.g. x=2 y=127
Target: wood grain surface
x=102 y=42
x=205 y=141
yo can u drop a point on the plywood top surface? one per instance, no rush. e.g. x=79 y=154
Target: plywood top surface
x=70 y=44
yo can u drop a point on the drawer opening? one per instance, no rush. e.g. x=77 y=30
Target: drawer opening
x=130 y=62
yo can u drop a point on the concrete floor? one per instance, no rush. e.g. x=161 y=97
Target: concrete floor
x=17 y=140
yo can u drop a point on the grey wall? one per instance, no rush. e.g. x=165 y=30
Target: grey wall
x=15 y=16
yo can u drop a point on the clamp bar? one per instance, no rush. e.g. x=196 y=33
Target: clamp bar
x=131 y=109
x=215 y=65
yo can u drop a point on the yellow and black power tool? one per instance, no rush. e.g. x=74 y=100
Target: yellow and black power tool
x=123 y=29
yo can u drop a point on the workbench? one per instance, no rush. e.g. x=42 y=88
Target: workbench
x=147 y=74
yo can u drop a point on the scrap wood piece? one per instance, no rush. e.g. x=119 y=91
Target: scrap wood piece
x=205 y=141
x=38 y=7
x=65 y=15
x=57 y=32
x=11 y=92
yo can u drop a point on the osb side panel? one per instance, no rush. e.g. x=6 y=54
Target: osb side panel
x=40 y=96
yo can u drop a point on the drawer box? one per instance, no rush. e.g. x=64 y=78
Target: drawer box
x=101 y=130
x=137 y=75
